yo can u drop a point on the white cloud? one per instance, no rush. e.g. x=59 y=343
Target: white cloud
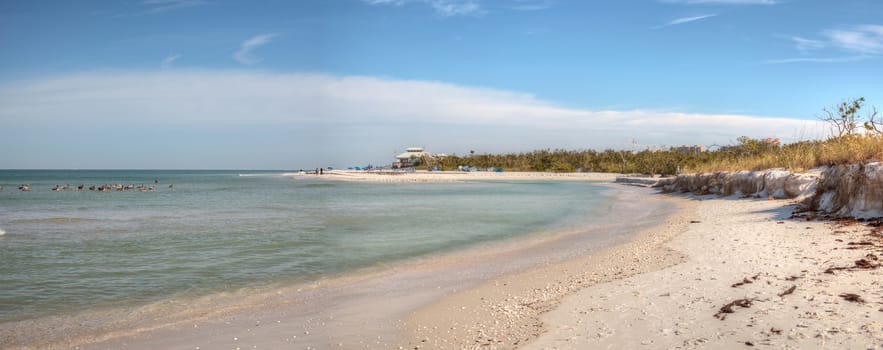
x=683 y=20
x=169 y=60
x=864 y=39
x=317 y=103
x=244 y=55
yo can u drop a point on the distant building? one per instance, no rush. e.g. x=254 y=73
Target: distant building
x=771 y=141
x=412 y=156
x=691 y=149
x=766 y=143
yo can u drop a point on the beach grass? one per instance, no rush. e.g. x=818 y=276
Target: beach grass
x=747 y=154
x=798 y=156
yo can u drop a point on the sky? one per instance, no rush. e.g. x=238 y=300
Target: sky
x=218 y=84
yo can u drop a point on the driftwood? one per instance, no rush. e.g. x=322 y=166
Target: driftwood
x=745 y=280
x=788 y=291
x=852 y=297
x=866 y=265
x=728 y=309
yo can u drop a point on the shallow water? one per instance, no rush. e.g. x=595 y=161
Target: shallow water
x=217 y=231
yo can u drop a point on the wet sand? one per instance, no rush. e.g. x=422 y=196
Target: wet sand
x=506 y=312
x=373 y=309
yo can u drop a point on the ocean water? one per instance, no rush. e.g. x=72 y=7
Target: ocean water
x=219 y=231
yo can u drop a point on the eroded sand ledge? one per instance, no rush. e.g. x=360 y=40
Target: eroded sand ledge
x=854 y=190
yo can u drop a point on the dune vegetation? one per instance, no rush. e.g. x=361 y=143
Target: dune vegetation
x=855 y=138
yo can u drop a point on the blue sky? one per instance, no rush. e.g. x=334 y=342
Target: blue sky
x=292 y=84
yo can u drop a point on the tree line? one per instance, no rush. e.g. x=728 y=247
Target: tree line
x=854 y=138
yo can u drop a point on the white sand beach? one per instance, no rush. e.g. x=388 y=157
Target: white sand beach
x=452 y=176
x=738 y=250
x=671 y=288
x=718 y=273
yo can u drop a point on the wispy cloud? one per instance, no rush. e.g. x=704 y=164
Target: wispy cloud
x=169 y=60
x=683 y=20
x=152 y=7
x=446 y=8
x=244 y=55
x=157 y=6
x=725 y=2
x=864 y=39
x=531 y=5
x=385 y=2
x=804 y=44
x=450 y=8
x=817 y=60
x=860 y=42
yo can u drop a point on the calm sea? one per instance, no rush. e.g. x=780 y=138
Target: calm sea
x=218 y=231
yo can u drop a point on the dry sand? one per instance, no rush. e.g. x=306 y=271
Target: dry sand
x=667 y=289
x=739 y=249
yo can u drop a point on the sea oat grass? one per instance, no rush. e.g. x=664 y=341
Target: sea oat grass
x=799 y=156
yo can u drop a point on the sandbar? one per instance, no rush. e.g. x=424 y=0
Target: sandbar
x=452 y=176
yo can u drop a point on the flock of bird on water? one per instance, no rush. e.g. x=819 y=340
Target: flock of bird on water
x=102 y=188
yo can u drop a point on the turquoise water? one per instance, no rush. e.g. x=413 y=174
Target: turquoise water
x=216 y=231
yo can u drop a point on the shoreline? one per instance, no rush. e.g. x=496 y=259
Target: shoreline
x=339 y=312
x=507 y=312
x=665 y=282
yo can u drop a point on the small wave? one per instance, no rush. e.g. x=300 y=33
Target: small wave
x=318 y=185
x=2 y=232
x=255 y=175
